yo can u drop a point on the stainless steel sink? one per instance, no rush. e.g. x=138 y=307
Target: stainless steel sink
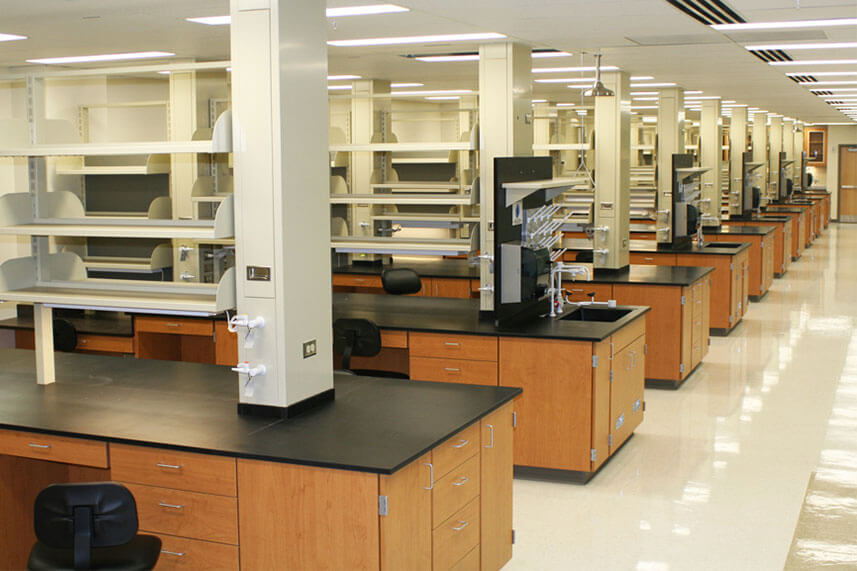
x=603 y=314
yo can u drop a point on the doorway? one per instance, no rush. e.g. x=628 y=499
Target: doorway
x=848 y=183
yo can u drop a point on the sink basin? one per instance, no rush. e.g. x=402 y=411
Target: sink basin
x=604 y=314
x=723 y=245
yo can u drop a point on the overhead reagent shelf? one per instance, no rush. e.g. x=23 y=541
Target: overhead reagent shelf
x=63 y=214
x=405 y=147
x=64 y=284
x=161 y=258
x=413 y=246
x=689 y=172
x=517 y=191
x=113 y=165
x=59 y=138
x=422 y=199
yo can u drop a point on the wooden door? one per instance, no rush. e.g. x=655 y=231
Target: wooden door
x=450 y=287
x=496 y=490
x=848 y=183
x=626 y=392
x=406 y=541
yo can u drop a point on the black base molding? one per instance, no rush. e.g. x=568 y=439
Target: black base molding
x=291 y=411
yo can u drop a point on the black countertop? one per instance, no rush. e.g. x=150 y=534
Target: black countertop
x=118 y=325
x=758 y=219
x=452 y=268
x=457 y=316
x=650 y=246
x=739 y=230
x=781 y=209
x=654 y=275
x=374 y=425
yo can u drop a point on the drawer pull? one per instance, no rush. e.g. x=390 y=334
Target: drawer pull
x=462 y=481
x=452 y=344
x=169 y=466
x=40 y=446
x=174 y=553
x=461 y=525
x=491 y=428
x=171 y=506
x=431 y=476
x=464 y=442
x=173 y=324
x=452 y=369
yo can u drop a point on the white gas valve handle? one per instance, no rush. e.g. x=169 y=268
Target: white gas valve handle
x=244 y=368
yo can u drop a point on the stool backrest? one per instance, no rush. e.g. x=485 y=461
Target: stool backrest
x=359 y=337
x=401 y=281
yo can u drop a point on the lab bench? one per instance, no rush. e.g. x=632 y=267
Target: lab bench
x=812 y=228
x=799 y=225
x=571 y=416
x=390 y=475
x=762 y=252
x=783 y=237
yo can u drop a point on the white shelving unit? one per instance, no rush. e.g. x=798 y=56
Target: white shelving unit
x=112 y=165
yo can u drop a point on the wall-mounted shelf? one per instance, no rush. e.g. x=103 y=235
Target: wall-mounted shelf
x=414 y=246
x=516 y=191
x=112 y=165
x=67 y=286
x=421 y=186
x=405 y=147
x=563 y=147
x=416 y=199
x=426 y=220
x=161 y=258
x=689 y=172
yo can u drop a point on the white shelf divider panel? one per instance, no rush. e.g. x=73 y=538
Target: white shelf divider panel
x=162 y=257
x=414 y=246
x=132 y=165
x=63 y=215
x=404 y=199
x=64 y=284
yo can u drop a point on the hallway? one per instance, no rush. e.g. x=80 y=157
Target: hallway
x=715 y=477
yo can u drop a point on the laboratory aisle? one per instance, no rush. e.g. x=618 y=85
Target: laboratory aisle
x=715 y=477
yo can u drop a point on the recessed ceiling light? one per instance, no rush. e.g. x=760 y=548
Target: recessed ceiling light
x=101 y=57
x=638 y=107
x=640 y=77
x=573 y=69
x=565 y=104
x=540 y=100
x=368 y=10
x=448 y=58
x=644 y=98
x=820 y=73
x=339 y=87
x=814 y=83
x=11 y=37
x=691 y=97
x=417 y=39
x=840 y=98
x=431 y=92
x=164 y=72
x=815 y=46
x=643 y=93
x=444 y=97
x=341 y=77
x=787 y=24
x=403 y=85
x=566 y=80
x=834 y=89
x=650 y=119
x=815 y=62
x=538 y=54
x=667 y=84
x=693 y=93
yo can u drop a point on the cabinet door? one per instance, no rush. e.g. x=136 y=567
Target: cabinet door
x=626 y=392
x=580 y=291
x=406 y=531
x=450 y=287
x=496 y=494
x=225 y=345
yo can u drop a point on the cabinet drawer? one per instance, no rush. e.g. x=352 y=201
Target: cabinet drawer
x=469 y=562
x=394 y=339
x=172 y=469
x=456 y=537
x=357 y=281
x=455 y=451
x=193 y=554
x=177 y=326
x=53 y=448
x=186 y=514
x=652 y=259
x=455 y=490
x=474 y=347
x=628 y=334
x=105 y=343
x=454 y=371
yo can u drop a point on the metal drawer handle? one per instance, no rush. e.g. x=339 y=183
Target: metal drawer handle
x=452 y=369
x=491 y=428
x=176 y=553
x=461 y=525
x=452 y=344
x=462 y=481
x=173 y=324
x=40 y=446
x=464 y=442
x=170 y=466
x=171 y=506
x=431 y=476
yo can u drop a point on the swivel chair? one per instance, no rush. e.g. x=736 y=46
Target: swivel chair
x=360 y=338
x=90 y=526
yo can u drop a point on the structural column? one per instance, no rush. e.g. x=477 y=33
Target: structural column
x=775 y=145
x=505 y=130
x=760 y=147
x=798 y=154
x=282 y=222
x=670 y=141
x=613 y=174
x=737 y=148
x=711 y=157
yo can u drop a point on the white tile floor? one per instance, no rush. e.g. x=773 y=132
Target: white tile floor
x=715 y=476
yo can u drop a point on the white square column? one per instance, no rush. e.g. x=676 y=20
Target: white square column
x=798 y=154
x=670 y=141
x=760 y=148
x=737 y=148
x=613 y=174
x=775 y=144
x=282 y=210
x=711 y=157
x=505 y=130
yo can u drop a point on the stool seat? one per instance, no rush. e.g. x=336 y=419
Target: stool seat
x=140 y=554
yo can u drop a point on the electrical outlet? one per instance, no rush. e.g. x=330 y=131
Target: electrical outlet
x=310 y=348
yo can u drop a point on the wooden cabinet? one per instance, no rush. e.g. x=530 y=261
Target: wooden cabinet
x=86 y=343
x=652 y=258
x=440 y=357
x=472 y=347
x=174 y=339
x=815 y=145
x=53 y=448
x=728 y=297
x=496 y=476
x=585 y=291
x=225 y=344
x=462 y=288
x=447 y=287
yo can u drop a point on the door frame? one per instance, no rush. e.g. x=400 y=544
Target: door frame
x=839 y=218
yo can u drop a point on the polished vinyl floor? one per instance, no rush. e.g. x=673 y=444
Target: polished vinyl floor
x=717 y=474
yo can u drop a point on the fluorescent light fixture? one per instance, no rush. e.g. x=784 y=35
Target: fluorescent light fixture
x=641 y=78
x=650 y=119
x=444 y=97
x=432 y=92
x=341 y=77
x=339 y=88
x=645 y=98
x=784 y=25
x=633 y=93
x=448 y=58
x=566 y=80
x=841 y=98
x=164 y=72
x=547 y=54
x=815 y=62
x=573 y=69
x=403 y=85
x=813 y=83
x=565 y=104
x=638 y=107
x=101 y=57
x=820 y=73
x=815 y=46
x=666 y=84
x=368 y=10
x=697 y=97
x=834 y=89
x=693 y=93
x=11 y=37
x=362 y=42
x=540 y=100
